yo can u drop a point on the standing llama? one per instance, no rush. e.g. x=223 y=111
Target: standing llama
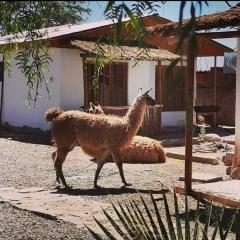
x=142 y=150
x=111 y=133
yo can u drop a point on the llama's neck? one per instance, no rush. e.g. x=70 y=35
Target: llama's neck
x=135 y=115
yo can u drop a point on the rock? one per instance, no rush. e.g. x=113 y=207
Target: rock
x=212 y=138
x=235 y=173
x=228 y=170
x=228 y=159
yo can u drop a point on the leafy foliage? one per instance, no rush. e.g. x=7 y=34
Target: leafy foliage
x=19 y=16
x=135 y=29
x=118 y=11
x=146 y=221
x=22 y=19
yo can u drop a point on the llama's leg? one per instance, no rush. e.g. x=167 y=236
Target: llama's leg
x=53 y=157
x=117 y=159
x=60 y=157
x=99 y=168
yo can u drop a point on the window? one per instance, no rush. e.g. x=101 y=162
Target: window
x=111 y=89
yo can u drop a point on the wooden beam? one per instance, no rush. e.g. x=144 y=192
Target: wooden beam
x=209 y=197
x=189 y=86
x=215 y=90
x=216 y=35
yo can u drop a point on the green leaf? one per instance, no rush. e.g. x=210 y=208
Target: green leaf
x=160 y=222
x=129 y=222
x=178 y=221
x=196 y=225
x=144 y=222
x=218 y=220
x=109 y=6
x=181 y=10
x=205 y=236
x=229 y=226
x=141 y=222
x=122 y=219
x=115 y=225
x=207 y=223
x=154 y=227
x=169 y=219
x=105 y=230
x=138 y=228
x=187 y=220
x=94 y=234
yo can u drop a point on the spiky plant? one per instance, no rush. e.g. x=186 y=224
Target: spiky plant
x=146 y=221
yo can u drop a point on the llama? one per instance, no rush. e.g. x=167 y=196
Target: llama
x=142 y=150
x=110 y=133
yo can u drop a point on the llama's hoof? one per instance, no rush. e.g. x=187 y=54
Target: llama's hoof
x=67 y=187
x=57 y=187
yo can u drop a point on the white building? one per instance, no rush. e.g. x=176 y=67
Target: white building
x=69 y=84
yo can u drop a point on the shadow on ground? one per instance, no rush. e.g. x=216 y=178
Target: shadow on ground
x=26 y=137
x=227 y=217
x=107 y=191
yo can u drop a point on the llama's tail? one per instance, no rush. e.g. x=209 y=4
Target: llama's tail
x=52 y=113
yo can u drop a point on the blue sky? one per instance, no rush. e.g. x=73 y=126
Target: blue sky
x=169 y=10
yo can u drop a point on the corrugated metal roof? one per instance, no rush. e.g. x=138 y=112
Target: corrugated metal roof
x=124 y=52
x=58 y=31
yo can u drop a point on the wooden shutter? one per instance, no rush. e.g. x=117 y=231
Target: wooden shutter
x=170 y=89
x=112 y=86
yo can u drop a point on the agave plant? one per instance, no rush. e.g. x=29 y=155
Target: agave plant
x=146 y=221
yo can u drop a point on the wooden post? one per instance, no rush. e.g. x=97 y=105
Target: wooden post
x=158 y=83
x=85 y=81
x=189 y=86
x=215 y=90
x=235 y=173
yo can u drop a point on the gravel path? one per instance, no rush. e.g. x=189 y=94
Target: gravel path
x=26 y=162
x=19 y=224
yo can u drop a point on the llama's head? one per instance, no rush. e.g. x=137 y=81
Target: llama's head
x=95 y=109
x=91 y=108
x=145 y=97
x=98 y=109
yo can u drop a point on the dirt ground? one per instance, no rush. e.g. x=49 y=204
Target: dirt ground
x=26 y=162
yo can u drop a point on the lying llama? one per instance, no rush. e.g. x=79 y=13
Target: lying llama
x=110 y=133
x=142 y=150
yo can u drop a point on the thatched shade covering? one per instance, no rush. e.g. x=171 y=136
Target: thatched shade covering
x=229 y=18
x=124 y=52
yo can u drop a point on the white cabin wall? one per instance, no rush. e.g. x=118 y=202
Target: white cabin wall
x=142 y=76
x=71 y=83
x=15 y=110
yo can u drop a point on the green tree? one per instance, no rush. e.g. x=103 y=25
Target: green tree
x=20 y=20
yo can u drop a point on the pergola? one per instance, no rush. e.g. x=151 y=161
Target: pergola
x=229 y=23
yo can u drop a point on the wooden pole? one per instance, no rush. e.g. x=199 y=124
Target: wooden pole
x=189 y=86
x=215 y=89
x=235 y=173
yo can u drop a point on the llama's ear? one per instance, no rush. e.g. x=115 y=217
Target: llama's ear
x=147 y=91
x=139 y=91
x=92 y=105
